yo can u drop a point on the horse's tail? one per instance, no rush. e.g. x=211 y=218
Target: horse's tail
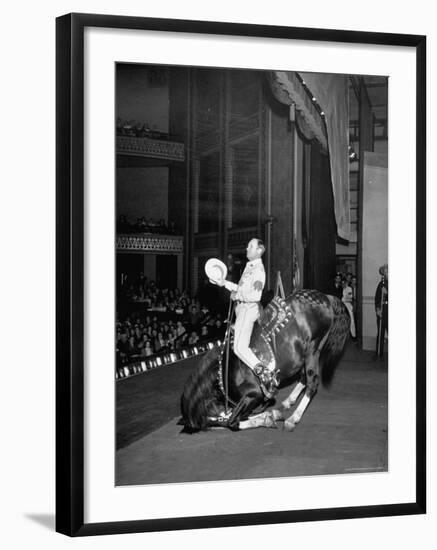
x=334 y=346
x=200 y=394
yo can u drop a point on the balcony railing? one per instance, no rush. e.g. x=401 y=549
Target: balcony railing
x=150 y=242
x=151 y=148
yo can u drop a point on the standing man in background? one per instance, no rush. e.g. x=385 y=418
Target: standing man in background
x=381 y=309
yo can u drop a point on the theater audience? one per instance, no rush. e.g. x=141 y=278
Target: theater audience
x=193 y=339
x=171 y=320
x=143 y=225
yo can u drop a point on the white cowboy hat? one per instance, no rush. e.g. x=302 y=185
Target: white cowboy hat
x=216 y=270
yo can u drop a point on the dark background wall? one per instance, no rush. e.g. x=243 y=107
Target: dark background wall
x=143 y=97
x=142 y=192
x=282 y=196
x=142 y=94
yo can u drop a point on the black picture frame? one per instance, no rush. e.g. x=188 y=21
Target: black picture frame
x=70 y=273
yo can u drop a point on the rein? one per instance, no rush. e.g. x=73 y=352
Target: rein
x=224 y=384
x=282 y=314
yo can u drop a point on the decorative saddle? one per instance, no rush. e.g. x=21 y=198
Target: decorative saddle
x=274 y=317
x=272 y=320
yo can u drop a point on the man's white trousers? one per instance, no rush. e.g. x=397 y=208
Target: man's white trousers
x=246 y=315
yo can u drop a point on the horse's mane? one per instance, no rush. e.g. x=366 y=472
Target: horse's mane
x=200 y=394
x=308 y=298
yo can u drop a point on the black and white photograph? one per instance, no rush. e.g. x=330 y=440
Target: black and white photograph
x=252 y=274
x=218 y=299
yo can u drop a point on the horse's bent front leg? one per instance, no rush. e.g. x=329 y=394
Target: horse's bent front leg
x=262 y=420
x=245 y=406
x=312 y=383
x=295 y=418
x=291 y=399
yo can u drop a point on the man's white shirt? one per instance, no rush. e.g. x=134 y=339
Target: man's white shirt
x=251 y=284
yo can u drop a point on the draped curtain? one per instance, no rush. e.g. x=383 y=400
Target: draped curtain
x=331 y=132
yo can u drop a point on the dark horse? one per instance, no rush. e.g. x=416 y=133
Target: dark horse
x=301 y=337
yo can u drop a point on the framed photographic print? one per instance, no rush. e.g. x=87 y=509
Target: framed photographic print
x=232 y=201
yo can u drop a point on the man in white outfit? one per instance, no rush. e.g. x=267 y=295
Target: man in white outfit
x=248 y=295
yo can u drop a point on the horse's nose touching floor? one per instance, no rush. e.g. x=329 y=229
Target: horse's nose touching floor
x=344 y=430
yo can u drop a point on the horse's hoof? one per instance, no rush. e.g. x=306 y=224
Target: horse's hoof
x=289 y=426
x=277 y=415
x=270 y=421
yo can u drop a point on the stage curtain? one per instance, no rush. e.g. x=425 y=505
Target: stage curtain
x=320 y=248
x=331 y=131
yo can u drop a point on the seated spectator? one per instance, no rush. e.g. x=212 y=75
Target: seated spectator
x=162 y=343
x=147 y=350
x=156 y=344
x=162 y=228
x=218 y=329
x=123 y=343
x=122 y=224
x=171 y=337
x=193 y=339
x=204 y=333
x=182 y=320
x=194 y=316
x=132 y=348
x=180 y=329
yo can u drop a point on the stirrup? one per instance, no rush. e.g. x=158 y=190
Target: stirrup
x=268 y=379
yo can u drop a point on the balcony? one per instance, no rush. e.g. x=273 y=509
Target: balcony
x=150 y=148
x=151 y=243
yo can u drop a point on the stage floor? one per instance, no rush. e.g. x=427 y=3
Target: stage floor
x=344 y=430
